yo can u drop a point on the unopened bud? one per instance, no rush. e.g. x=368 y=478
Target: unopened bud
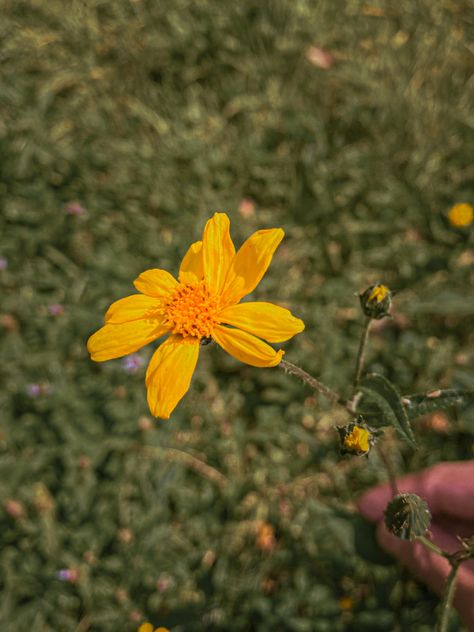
x=376 y=301
x=407 y=516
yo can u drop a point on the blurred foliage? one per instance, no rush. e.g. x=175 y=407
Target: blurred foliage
x=146 y=116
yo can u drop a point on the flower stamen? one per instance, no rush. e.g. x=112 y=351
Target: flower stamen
x=192 y=310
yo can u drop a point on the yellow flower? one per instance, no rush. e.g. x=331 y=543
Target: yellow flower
x=357 y=441
x=461 y=214
x=346 y=603
x=147 y=627
x=204 y=304
x=379 y=292
x=356 y=438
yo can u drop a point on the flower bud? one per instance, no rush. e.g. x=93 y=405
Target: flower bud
x=407 y=516
x=376 y=301
x=356 y=438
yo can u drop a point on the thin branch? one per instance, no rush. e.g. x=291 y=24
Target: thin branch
x=175 y=455
x=315 y=384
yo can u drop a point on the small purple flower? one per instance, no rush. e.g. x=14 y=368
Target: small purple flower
x=132 y=363
x=75 y=208
x=36 y=389
x=3 y=263
x=56 y=309
x=70 y=575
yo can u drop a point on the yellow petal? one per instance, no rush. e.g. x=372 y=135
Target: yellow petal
x=217 y=251
x=191 y=269
x=169 y=374
x=145 y=627
x=115 y=341
x=250 y=264
x=246 y=347
x=133 y=307
x=157 y=283
x=265 y=320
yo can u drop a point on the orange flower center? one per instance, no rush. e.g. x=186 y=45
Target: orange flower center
x=192 y=310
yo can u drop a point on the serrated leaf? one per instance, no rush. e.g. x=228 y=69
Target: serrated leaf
x=379 y=391
x=424 y=403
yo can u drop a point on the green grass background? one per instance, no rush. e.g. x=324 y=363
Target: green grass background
x=153 y=115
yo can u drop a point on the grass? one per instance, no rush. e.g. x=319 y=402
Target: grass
x=152 y=116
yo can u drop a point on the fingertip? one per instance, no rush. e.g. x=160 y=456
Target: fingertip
x=373 y=502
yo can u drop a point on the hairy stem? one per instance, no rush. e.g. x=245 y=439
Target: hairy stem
x=431 y=546
x=361 y=353
x=448 y=596
x=315 y=384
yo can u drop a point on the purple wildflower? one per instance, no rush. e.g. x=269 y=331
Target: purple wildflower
x=70 y=575
x=56 y=309
x=75 y=208
x=132 y=363
x=36 y=389
x=3 y=263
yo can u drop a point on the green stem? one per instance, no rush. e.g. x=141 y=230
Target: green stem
x=361 y=353
x=448 y=596
x=431 y=546
x=315 y=384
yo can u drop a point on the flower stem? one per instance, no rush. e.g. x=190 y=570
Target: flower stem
x=361 y=353
x=448 y=596
x=431 y=545
x=315 y=384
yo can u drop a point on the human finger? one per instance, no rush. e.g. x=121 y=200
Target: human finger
x=432 y=568
x=447 y=487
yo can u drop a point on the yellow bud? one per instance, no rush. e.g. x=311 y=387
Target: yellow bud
x=376 y=301
x=379 y=292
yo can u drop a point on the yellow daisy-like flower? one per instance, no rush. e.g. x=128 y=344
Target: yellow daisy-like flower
x=358 y=441
x=147 y=627
x=203 y=304
x=461 y=214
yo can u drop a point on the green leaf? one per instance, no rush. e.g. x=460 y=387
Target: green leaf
x=379 y=391
x=424 y=403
